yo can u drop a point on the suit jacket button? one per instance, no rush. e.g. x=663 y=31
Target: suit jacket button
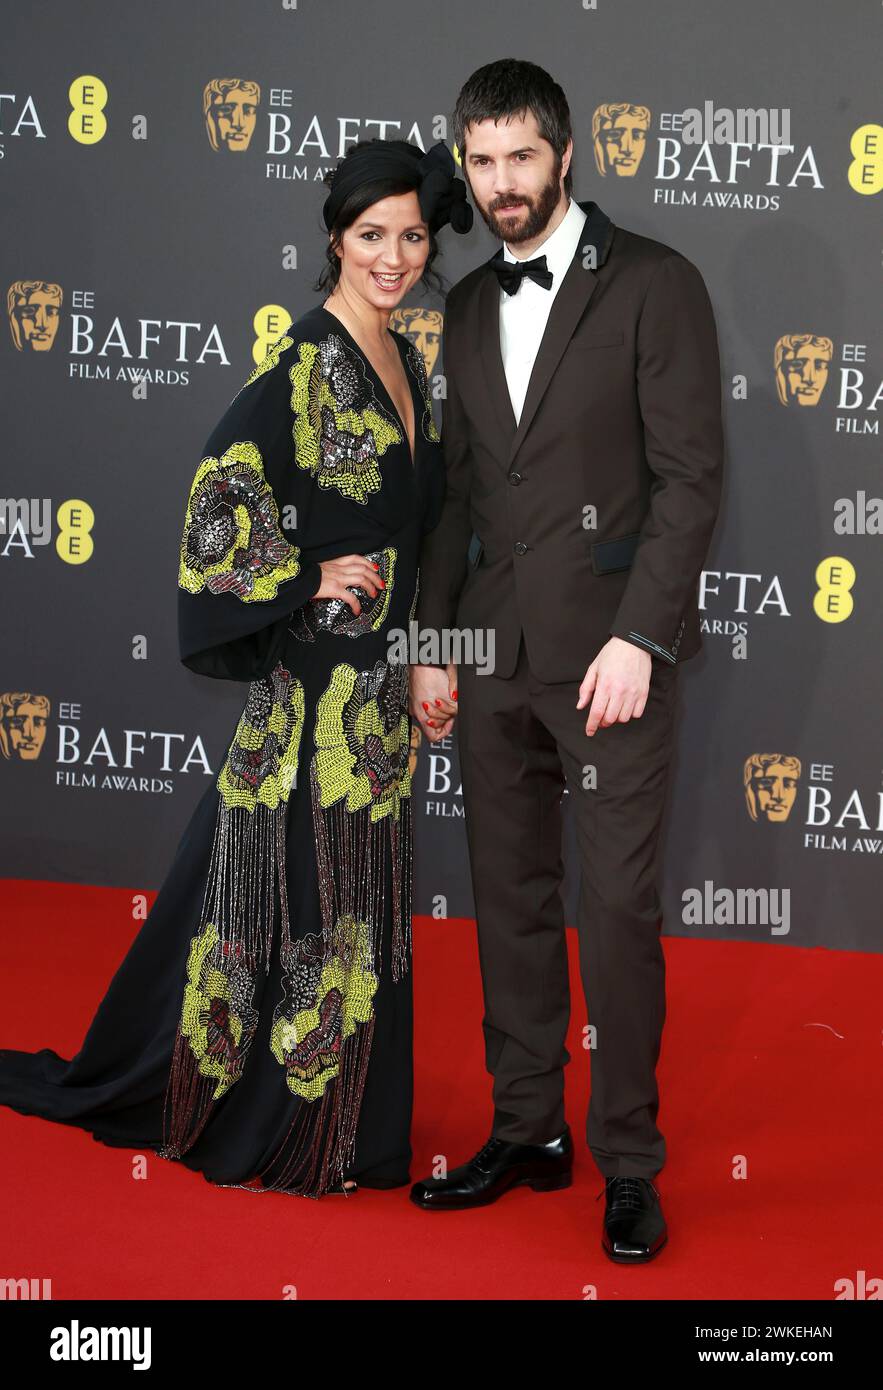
x=515 y=479
x=520 y=548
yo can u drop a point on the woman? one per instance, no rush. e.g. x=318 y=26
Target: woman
x=259 y=1029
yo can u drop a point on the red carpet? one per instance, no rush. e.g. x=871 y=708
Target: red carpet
x=770 y=1052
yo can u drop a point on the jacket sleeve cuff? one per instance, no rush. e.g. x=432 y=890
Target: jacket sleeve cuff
x=647 y=644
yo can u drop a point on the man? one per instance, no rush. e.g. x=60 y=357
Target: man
x=583 y=449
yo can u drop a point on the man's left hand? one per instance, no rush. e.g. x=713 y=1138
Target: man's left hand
x=620 y=678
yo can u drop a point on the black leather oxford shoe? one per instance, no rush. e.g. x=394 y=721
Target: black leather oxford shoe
x=634 y=1227
x=496 y=1167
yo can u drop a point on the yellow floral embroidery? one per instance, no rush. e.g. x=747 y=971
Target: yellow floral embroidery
x=362 y=739
x=340 y=429
x=261 y=763
x=334 y=998
x=232 y=541
x=217 y=1019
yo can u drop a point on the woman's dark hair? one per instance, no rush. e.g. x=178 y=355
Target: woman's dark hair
x=352 y=207
x=512 y=87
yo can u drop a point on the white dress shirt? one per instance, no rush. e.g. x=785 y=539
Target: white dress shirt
x=523 y=315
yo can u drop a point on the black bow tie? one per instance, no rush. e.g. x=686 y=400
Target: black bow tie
x=511 y=273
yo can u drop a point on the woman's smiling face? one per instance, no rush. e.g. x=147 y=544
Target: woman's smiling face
x=385 y=250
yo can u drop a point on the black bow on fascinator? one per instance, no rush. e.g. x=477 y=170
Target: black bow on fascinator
x=442 y=196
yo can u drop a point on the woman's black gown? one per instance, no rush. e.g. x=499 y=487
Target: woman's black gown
x=260 y=1027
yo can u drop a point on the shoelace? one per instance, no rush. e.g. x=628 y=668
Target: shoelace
x=492 y=1144
x=628 y=1193
x=486 y=1150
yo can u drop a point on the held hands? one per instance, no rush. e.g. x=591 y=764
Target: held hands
x=433 y=699
x=338 y=574
x=620 y=678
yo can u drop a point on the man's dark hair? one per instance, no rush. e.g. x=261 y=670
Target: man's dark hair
x=512 y=87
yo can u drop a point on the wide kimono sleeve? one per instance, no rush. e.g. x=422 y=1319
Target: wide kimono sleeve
x=240 y=576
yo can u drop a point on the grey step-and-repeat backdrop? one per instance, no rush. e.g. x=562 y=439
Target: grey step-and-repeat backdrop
x=160 y=168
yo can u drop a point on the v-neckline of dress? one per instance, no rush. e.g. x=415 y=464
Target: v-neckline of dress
x=361 y=351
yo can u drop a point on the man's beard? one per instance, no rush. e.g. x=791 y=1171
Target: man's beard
x=539 y=211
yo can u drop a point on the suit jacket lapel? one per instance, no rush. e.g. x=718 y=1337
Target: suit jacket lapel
x=492 y=357
x=569 y=304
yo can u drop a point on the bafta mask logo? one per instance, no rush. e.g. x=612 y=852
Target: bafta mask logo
x=619 y=137
x=802 y=361
x=23 y=720
x=423 y=327
x=771 y=786
x=416 y=740
x=33 y=307
x=230 y=107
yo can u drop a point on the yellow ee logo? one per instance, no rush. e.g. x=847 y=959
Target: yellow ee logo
x=87 y=123
x=269 y=323
x=74 y=540
x=833 y=601
x=866 y=170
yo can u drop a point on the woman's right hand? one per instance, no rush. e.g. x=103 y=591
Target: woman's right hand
x=346 y=570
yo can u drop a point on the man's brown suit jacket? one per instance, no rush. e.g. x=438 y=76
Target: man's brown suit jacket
x=623 y=416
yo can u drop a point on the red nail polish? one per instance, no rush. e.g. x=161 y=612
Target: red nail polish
x=453 y=694
x=425 y=705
